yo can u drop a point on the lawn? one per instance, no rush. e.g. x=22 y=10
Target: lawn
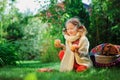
x=27 y=70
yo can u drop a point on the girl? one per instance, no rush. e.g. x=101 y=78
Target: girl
x=75 y=51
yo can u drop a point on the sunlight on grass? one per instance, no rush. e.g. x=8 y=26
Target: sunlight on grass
x=25 y=62
x=31 y=76
x=102 y=71
x=54 y=66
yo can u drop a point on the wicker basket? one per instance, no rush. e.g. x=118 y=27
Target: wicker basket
x=104 y=59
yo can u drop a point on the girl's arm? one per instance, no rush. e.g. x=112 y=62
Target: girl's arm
x=74 y=48
x=63 y=46
x=58 y=44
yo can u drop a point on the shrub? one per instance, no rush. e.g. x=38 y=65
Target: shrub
x=105 y=22
x=8 y=54
x=49 y=52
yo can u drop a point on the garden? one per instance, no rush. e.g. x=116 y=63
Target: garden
x=27 y=39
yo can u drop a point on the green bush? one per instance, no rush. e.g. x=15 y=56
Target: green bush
x=49 y=52
x=105 y=22
x=8 y=54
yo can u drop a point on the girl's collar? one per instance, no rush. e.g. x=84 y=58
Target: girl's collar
x=72 y=38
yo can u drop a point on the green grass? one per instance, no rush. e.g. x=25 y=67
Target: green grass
x=27 y=70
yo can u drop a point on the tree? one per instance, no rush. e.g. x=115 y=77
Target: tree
x=105 y=22
x=2 y=18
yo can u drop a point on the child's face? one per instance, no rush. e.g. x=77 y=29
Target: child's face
x=71 y=29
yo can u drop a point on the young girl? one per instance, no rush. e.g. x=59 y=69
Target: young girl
x=75 y=51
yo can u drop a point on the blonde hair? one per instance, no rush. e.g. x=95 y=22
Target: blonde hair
x=76 y=22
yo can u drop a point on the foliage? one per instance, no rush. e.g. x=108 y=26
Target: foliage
x=57 y=14
x=105 y=22
x=8 y=54
x=14 y=32
x=8 y=49
x=49 y=52
x=30 y=45
x=13 y=26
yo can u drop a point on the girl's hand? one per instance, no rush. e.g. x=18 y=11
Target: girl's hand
x=57 y=43
x=74 y=47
